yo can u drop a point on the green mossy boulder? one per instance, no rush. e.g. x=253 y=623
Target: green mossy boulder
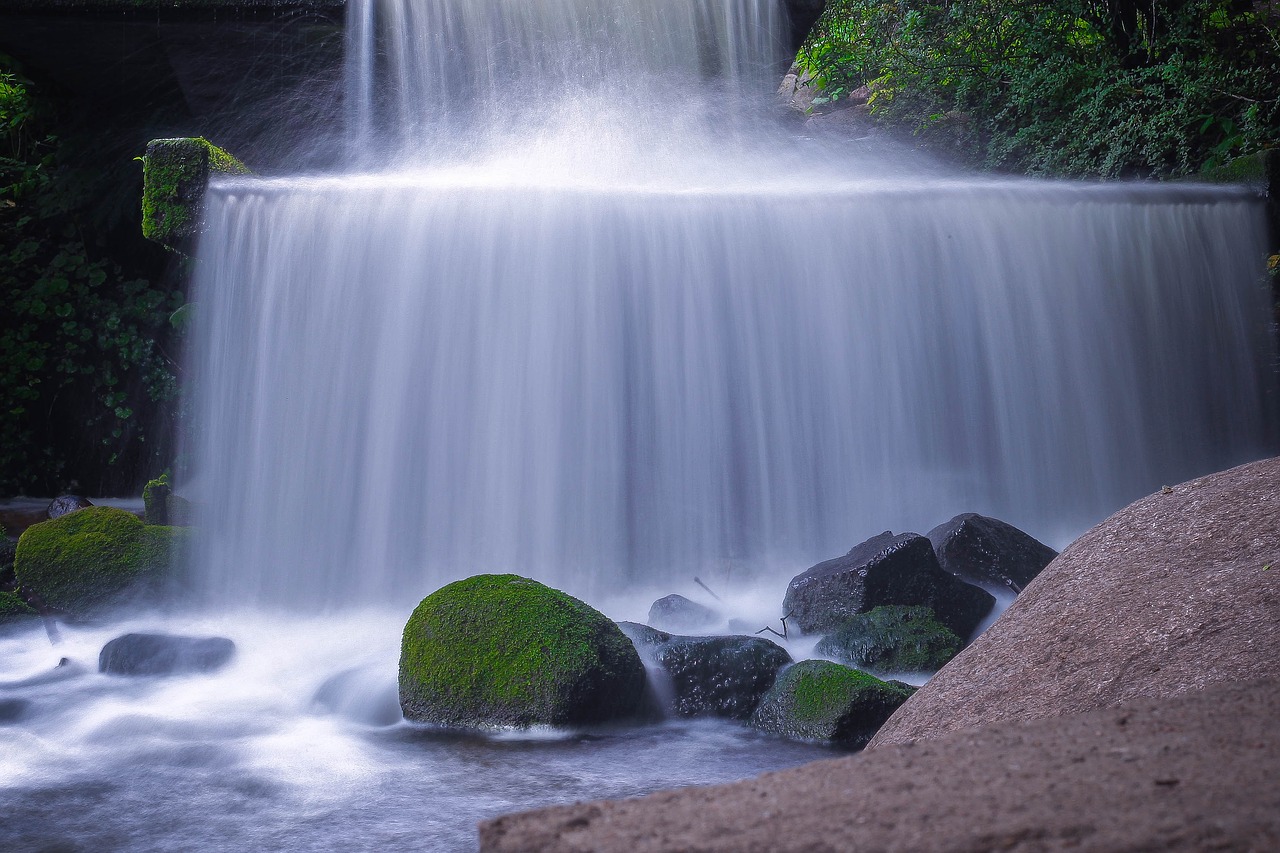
x=502 y=650
x=820 y=700
x=91 y=559
x=174 y=177
x=892 y=639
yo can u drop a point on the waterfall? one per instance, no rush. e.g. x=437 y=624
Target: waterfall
x=593 y=321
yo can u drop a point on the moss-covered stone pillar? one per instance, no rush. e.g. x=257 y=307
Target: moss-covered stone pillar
x=174 y=177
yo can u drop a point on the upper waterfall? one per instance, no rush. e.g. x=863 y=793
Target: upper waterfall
x=427 y=77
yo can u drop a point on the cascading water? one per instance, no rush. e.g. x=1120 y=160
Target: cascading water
x=601 y=324
x=596 y=318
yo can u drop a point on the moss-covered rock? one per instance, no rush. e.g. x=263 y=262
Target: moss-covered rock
x=162 y=506
x=820 y=700
x=13 y=607
x=502 y=650
x=174 y=177
x=892 y=639
x=88 y=560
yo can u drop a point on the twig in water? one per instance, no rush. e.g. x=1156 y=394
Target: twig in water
x=707 y=588
x=783 y=635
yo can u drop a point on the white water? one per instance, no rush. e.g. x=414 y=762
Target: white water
x=425 y=375
x=596 y=319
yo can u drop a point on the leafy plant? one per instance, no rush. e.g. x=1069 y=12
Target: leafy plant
x=83 y=348
x=1102 y=88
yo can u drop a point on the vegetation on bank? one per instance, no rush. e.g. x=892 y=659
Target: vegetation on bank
x=1100 y=88
x=88 y=381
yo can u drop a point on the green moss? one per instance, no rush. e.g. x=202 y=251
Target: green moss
x=88 y=560
x=13 y=607
x=893 y=639
x=1255 y=170
x=502 y=650
x=155 y=498
x=174 y=176
x=820 y=700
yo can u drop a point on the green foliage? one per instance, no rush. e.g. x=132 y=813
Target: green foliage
x=893 y=639
x=13 y=607
x=502 y=650
x=90 y=559
x=1084 y=87
x=82 y=351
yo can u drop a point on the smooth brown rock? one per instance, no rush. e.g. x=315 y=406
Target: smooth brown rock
x=1173 y=592
x=1195 y=772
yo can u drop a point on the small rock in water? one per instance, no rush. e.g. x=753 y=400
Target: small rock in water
x=720 y=676
x=13 y=710
x=677 y=613
x=892 y=639
x=820 y=700
x=978 y=549
x=885 y=569
x=64 y=504
x=367 y=696
x=164 y=654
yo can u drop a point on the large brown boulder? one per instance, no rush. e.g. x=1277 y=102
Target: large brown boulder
x=1195 y=772
x=1173 y=592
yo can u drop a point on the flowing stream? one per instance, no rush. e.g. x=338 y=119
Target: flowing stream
x=585 y=306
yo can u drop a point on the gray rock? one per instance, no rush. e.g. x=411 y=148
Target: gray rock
x=1175 y=591
x=677 y=613
x=719 y=676
x=885 y=569
x=164 y=654
x=892 y=639
x=978 y=549
x=64 y=504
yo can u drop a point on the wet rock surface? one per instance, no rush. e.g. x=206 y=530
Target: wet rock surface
x=978 y=549
x=892 y=639
x=884 y=570
x=1175 y=591
x=164 y=654
x=720 y=676
x=64 y=504
x=677 y=613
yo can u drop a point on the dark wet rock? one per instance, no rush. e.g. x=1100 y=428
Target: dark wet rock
x=644 y=637
x=719 y=676
x=820 y=700
x=982 y=550
x=677 y=613
x=162 y=506
x=64 y=504
x=883 y=570
x=164 y=654
x=13 y=710
x=502 y=650
x=892 y=639
x=1174 y=592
